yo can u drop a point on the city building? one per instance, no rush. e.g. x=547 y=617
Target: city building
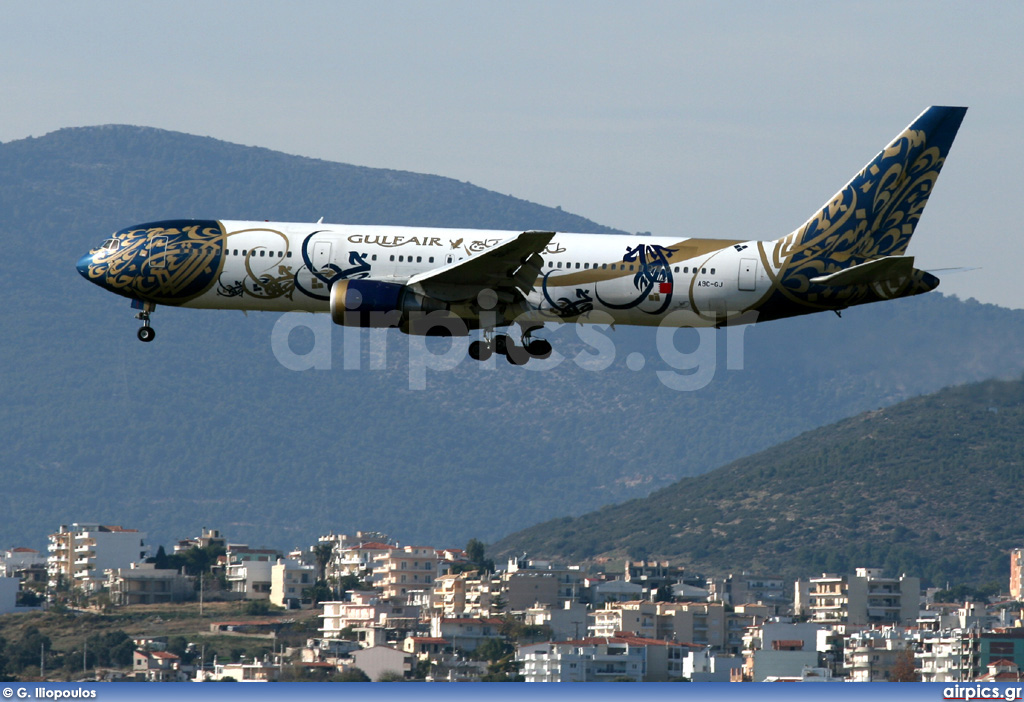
x=206 y=538
x=366 y=609
x=290 y=584
x=596 y=659
x=157 y=666
x=408 y=568
x=864 y=598
x=568 y=622
x=144 y=583
x=383 y=661
x=9 y=589
x=80 y=553
x=464 y=633
x=1017 y=574
x=248 y=570
x=18 y=560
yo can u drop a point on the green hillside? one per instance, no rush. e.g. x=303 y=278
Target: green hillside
x=928 y=487
x=204 y=427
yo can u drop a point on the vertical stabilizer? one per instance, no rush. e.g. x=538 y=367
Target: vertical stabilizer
x=876 y=213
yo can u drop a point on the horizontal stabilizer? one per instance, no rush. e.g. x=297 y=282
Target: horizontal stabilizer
x=881 y=270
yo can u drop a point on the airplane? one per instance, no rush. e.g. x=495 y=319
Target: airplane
x=439 y=281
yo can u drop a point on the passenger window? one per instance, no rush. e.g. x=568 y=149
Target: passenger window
x=577 y=266
x=243 y=252
x=712 y=271
x=419 y=259
x=392 y=257
x=703 y=270
x=401 y=259
x=430 y=260
x=613 y=266
x=263 y=252
x=559 y=264
x=289 y=254
x=373 y=257
x=586 y=265
x=604 y=266
x=677 y=269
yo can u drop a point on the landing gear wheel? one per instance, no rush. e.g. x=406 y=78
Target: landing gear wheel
x=480 y=350
x=539 y=348
x=146 y=334
x=501 y=344
x=516 y=355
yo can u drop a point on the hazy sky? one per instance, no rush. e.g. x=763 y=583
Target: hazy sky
x=680 y=118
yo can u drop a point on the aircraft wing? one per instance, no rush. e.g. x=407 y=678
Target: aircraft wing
x=509 y=268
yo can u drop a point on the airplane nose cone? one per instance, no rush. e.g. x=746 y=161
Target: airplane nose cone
x=83 y=265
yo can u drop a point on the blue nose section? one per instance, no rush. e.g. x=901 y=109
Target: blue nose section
x=83 y=265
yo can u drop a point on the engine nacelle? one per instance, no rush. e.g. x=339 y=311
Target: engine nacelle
x=372 y=303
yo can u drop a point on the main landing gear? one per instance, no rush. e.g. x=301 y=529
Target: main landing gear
x=146 y=333
x=504 y=345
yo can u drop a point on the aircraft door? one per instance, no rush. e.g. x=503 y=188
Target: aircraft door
x=748 y=274
x=157 y=252
x=321 y=255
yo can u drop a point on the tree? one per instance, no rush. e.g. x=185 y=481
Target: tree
x=391 y=676
x=475 y=552
x=904 y=670
x=491 y=650
x=322 y=552
x=353 y=674
x=503 y=670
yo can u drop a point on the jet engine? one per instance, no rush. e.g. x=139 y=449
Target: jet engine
x=372 y=303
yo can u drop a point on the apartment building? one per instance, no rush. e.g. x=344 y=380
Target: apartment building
x=144 y=583
x=864 y=598
x=366 y=610
x=407 y=569
x=290 y=582
x=1017 y=574
x=702 y=623
x=601 y=658
x=206 y=538
x=79 y=553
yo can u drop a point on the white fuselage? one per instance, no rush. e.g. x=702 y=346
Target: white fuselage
x=634 y=279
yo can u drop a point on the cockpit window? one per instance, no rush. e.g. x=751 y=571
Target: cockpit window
x=110 y=245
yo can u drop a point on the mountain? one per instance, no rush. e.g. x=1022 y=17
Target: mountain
x=928 y=487
x=207 y=427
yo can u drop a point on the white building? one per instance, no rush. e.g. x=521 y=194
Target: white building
x=407 y=569
x=289 y=582
x=567 y=622
x=80 y=553
x=864 y=598
x=599 y=659
x=946 y=656
x=9 y=588
x=365 y=610
x=247 y=570
x=16 y=559
x=377 y=661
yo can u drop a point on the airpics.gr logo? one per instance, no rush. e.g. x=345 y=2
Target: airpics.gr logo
x=687 y=370
x=982 y=692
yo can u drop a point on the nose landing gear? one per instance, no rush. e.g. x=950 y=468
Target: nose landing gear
x=146 y=333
